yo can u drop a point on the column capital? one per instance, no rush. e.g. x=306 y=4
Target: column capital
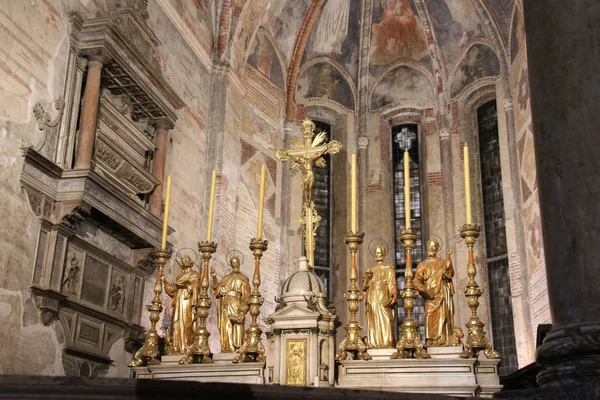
x=362 y=142
x=162 y=123
x=96 y=60
x=444 y=134
x=509 y=105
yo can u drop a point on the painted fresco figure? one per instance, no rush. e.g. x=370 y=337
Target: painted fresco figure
x=381 y=295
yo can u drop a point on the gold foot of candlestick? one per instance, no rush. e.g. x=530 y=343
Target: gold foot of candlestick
x=409 y=345
x=200 y=349
x=148 y=353
x=476 y=337
x=353 y=342
x=252 y=349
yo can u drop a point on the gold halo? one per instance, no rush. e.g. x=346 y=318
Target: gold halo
x=178 y=258
x=374 y=243
x=439 y=240
x=239 y=255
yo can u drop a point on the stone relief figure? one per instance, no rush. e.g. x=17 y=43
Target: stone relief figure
x=69 y=284
x=381 y=295
x=116 y=295
x=233 y=294
x=184 y=291
x=433 y=280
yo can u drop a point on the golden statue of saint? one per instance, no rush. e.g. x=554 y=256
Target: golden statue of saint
x=381 y=295
x=233 y=293
x=433 y=280
x=184 y=292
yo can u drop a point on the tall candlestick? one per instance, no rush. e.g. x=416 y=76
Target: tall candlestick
x=353 y=194
x=163 y=244
x=406 y=189
x=211 y=208
x=467 y=184
x=261 y=201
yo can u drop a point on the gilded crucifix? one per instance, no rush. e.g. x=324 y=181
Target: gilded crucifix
x=303 y=156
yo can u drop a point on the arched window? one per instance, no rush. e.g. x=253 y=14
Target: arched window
x=403 y=136
x=322 y=197
x=495 y=238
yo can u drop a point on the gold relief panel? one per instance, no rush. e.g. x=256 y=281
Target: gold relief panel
x=296 y=362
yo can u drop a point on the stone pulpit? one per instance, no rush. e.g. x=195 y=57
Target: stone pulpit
x=301 y=332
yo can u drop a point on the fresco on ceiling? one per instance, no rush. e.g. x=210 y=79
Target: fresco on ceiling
x=335 y=33
x=517 y=35
x=264 y=58
x=502 y=10
x=403 y=85
x=479 y=61
x=249 y=20
x=324 y=81
x=283 y=19
x=455 y=23
x=396 y=33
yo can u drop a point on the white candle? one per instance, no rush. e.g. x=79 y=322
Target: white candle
x=211 y=208
x=406 y=190
x=163 y=245
x=261 y=201
x=467 y=184
x=353 y=194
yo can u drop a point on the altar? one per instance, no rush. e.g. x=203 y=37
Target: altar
x=300 y=347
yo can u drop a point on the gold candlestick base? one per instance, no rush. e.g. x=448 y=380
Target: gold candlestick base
x=353 y=342
x=148 y=353
x=476 y=338
x=252 y=349
x=200 y=350
x=409 y=345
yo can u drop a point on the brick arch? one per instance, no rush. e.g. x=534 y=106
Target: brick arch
x=299 y=47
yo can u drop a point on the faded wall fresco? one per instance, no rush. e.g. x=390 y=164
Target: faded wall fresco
x=396 y=32
x=283 y=20
x=517 y=34
x=264 y=58
x=479 y=61
x=403 y=85
x=335 y=33
x=196 y=16
x=325 y=81
x=502 y=11
x=455 y=23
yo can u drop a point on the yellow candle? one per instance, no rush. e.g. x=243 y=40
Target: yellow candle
x=211 y=208
x=163 y=244
x=406 y=189
x=467 y=184
x=353 y=194
x=261 y=201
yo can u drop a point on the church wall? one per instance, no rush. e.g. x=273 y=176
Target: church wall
x=35 y=50
x=534 y=268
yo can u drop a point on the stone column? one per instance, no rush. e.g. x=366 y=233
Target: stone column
x=448 y=192
x=563 y=49
x=160 y=157
x=89 y=113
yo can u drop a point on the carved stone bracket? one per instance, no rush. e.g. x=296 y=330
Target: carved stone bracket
x=49 y=126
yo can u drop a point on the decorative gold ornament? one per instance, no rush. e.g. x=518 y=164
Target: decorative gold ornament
x=409 y=345
x=200 y=348
x=233 y=295
x=476 y=338
x=306 y=153
x=252 y=349
x=148 y=353
x=433 y=280
x=381 y=295
x=353 y=342
x=183 y=291
x=296 y=362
